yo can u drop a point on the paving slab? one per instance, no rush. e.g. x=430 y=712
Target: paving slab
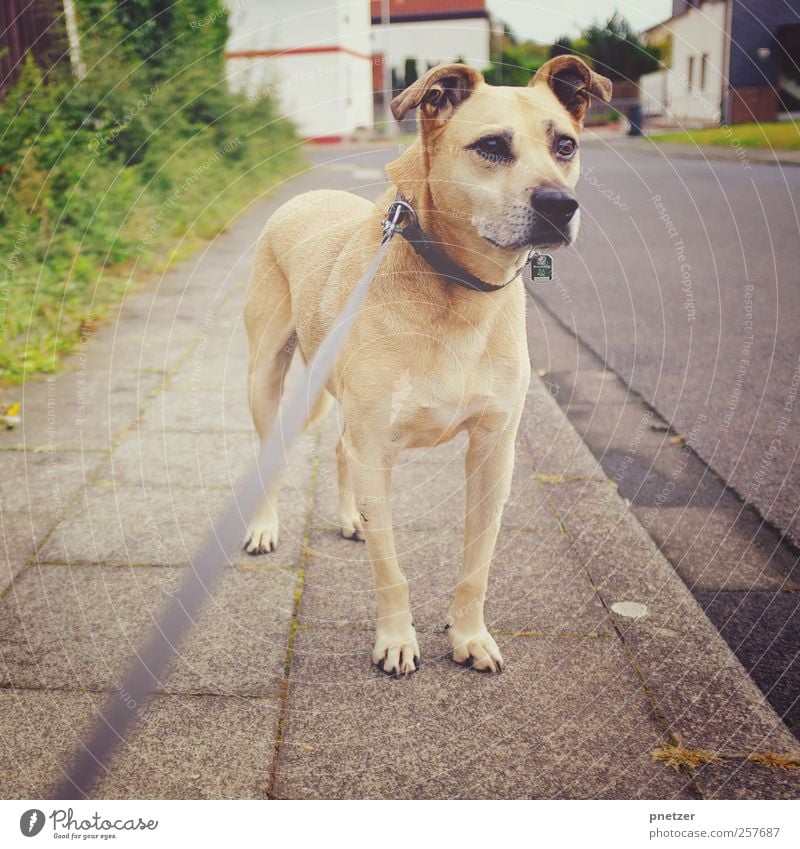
x=80 y=410
x=550 y=439
x=195 y=461
x=706 y=696
x=225 y=338
x=536 y=584
x=196 y=411
x=206 y=371
x=19 y=537
x=589 y=385
x=36 y=490
x=160 y=307
x=165 y=521
x=672 y=477
x=43 y=481
x=123 y=346
x=74 y=628
x=553 y=348
x=740 y=779
x=118 y=525
x=219 y=267
x=724 y=548
x=448 y=732
x=650 y=464
x=182 y=747
x=750 y=620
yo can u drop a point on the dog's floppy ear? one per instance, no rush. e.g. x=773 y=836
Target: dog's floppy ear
x=438 y=92
x=572 y=81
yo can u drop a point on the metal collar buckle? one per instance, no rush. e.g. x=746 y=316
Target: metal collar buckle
x=391 y=224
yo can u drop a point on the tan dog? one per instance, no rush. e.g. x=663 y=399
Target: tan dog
x=490 y=177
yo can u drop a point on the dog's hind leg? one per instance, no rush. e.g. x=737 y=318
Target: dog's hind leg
x=349 y=517
x=270 y=331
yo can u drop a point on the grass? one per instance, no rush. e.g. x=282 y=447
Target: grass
x=681 y=759
x=687 y=759
x=783 y=135
x=56 y=302
x=775 y=760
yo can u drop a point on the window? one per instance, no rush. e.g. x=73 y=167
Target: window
x=703 y=66
x=690 y=73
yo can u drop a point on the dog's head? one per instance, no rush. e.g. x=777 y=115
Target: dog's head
x=502 y=160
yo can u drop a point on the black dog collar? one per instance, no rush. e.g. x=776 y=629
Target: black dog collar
x=433 y=253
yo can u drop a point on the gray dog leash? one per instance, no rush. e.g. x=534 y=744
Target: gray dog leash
x=153 y=658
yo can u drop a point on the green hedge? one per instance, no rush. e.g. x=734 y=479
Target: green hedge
x=100 y=177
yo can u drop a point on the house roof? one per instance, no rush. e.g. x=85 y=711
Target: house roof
x=430 y=10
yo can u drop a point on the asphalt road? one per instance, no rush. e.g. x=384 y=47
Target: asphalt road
x=686 y=282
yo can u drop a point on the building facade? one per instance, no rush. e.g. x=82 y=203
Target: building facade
x=764 y=59
x=313 y=56
x=431 y=32
x=691 y=87
x=725 y=61
x=332 y=64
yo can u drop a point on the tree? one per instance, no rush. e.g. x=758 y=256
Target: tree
x=617 y=52
x=517 y=60
x=411 y=73
x=508 y=34
x=561 y=46
x=163 y=33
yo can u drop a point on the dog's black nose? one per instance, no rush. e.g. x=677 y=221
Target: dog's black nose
x=556 y=205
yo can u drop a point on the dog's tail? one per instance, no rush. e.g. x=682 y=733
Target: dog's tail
x=321 y=409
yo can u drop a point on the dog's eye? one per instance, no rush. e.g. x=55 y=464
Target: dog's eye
x=494 y=148
x=565 y=147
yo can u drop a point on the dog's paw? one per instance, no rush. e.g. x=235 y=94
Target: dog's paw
x=397 y=654
x=350 y=520
x=262 y=536
x=477 y=650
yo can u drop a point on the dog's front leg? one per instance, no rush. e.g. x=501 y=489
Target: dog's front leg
x=489 y=466
x=396 y=650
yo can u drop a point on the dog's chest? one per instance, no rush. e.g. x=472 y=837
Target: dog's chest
x=429 y=410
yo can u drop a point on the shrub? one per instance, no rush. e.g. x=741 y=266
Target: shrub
x=88 y=167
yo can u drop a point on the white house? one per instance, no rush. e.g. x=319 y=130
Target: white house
x=730 y=60
x=431 y=32
x=313 y=56
x=691 y=88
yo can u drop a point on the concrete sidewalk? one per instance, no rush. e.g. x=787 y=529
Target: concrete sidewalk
x=125 y=458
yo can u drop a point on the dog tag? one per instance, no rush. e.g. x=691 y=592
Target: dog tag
x=541 y=268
